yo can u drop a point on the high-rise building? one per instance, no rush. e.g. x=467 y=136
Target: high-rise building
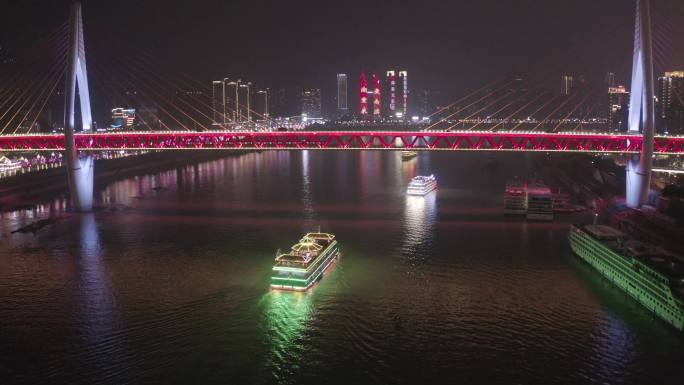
x=397 y=82
x=671 y=102
x=218 y=101
x=424 y=103
x=342 y=107
x=310 y=101
x=403 y=75
x=392 y=84
x=567 y=84
x=377 y=101
x=618 y=108
x=261 y=105
x=610 y=79
x=244 y=104
x=363 y=96
x=232 y=100
x=123 y=118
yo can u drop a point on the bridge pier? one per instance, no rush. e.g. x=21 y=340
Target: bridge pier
x=79 y=171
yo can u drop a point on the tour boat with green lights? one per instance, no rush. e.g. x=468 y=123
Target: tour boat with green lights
x=648 y=274
x=305 y=263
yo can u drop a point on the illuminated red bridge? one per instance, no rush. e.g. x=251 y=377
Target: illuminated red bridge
x=348 y=140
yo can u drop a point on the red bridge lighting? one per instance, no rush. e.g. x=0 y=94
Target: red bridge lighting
x=339 y=140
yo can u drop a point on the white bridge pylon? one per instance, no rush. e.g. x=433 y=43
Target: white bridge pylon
x=641 y=109
x=79 y=170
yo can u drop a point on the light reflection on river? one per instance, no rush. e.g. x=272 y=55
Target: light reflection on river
x=168 y=282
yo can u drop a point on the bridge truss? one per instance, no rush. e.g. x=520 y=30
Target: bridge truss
x=348 y=140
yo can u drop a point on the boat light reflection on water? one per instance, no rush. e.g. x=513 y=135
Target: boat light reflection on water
x=420 y=214
x=287 y=315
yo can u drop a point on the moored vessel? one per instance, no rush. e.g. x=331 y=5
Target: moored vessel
x=305 y=263
x=539 y=202
x=648 y=274
x=515 y=199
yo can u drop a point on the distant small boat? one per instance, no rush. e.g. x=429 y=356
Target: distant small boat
x=408 y=155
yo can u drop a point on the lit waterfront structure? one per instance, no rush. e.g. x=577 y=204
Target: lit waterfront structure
x=618 y=104
x=377 y=100
x=671 y=102
x=363 y=96
x=567 y=84
x=342 y=106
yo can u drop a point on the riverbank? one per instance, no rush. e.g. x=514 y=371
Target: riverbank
x=22 y=191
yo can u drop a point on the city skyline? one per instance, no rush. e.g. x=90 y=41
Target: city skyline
x=274 y=201
x=508 y=36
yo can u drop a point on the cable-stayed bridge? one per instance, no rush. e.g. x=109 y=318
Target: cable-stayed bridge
x=502 y=116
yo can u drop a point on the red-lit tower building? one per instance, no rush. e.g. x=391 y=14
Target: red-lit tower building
x=377 y=111
x=363 y=95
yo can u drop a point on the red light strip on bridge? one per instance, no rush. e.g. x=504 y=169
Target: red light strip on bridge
x=339 y=140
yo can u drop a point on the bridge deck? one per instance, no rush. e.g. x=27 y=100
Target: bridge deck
x=347 y=140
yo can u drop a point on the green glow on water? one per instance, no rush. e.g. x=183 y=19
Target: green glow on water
x=286 y=320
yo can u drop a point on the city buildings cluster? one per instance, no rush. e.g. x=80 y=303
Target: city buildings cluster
x=669 y=103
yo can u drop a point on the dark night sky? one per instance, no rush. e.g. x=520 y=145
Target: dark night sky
x=449 y=45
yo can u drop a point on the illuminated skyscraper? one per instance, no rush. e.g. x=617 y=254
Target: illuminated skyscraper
x=398 y=93
x=232 y=100
x=342 y=107
x=310 y=99
x=218 y=101
x=618 y=106
x=403 y=75
x=363 y=96
x=392 y=84
x=671 y=102
x=377 y=101
x=261 y=105
x=567 y=83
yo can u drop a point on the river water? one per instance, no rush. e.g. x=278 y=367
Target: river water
x=168 y=282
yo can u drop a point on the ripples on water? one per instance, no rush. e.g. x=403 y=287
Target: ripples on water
x=168 y=282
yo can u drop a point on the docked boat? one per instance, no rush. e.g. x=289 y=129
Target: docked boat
x=305 y=263
x=652 y=277
x=408 y=155
x=515 y=199
x=422 y=185
x=539 y=202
